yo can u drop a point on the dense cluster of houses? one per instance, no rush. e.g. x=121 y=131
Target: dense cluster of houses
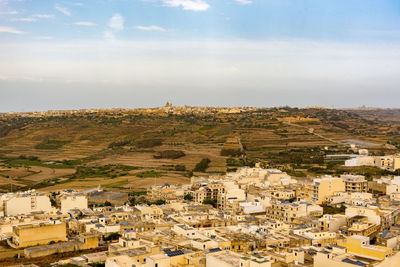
x=253 y=217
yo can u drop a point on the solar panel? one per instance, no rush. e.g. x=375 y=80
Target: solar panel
x=171 y=253
x=359 y=263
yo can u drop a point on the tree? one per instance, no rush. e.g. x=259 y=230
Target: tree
x=202 y=165
x=180 y=168
x=53 y=202
x=188 y=197
x=169 y=154
x=209 y=201
x=113 y=236
x=107 y=204
x=159 y=202
x=327 y=209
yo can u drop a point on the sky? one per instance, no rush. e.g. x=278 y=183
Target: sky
x=143 y=53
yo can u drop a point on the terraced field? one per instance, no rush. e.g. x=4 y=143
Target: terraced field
x=45 y=153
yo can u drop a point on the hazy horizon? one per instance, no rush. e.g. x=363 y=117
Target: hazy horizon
x=261 y=53
x=200 y=106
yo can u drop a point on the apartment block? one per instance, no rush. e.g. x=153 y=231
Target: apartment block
x=325 y=187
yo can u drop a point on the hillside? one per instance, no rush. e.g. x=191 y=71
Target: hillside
x=133 y=151
x=382 y=114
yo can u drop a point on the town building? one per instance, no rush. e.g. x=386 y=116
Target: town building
x=325 y=187
x=37 y=234
x=355 y=183
x=73 y=201
x=23 y=203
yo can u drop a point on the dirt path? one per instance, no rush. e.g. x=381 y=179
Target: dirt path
x=312 y=131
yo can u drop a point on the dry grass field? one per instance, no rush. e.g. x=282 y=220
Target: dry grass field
x=45 y=153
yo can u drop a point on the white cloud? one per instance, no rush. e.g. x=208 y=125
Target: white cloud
x=116 y=22
x=9 y=13
x=44 y=16
x=62 y=9
x=244 y=2
x=34 y=18
x=44 y=37
x=29 y=19
x=85 y=23
x=151 y=28
x=194 y=5
x=6 y=29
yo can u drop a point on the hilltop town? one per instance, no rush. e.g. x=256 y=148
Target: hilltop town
x=199 y=187
x=167 y=109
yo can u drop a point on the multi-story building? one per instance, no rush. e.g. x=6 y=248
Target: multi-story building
x=304 y=192
x=364 y=229
x=393 y=188
x=231 y=197
x=385 y=217
x=200 y=194
x=37 y=234
x=165 y=192
x=149 y=213
x=390 y=163
x=286 y=211
x=318 y=237
x=281 y=194
x=325 y=187
x=209 y=191
x=331 y=223
x=216 y=189
x=73 y=201
x=355 y=183
x=25 y=203
x=372 y=214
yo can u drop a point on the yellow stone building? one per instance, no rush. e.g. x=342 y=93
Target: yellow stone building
x=359 y=245
x=38 y=234
x=325 y=187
